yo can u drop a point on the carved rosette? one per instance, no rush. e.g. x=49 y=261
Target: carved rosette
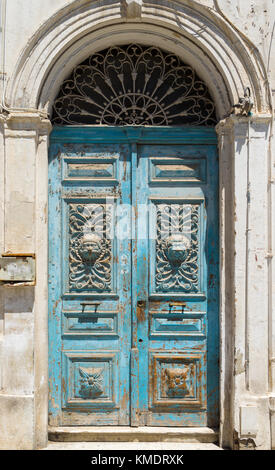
x=90 y=247
x=91 y=382
x=178 y=382
x=177 y=248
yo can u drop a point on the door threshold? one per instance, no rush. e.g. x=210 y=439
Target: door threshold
x=131 y=434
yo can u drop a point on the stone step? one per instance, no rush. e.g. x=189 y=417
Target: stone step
x=131 y=434
x=123 y=446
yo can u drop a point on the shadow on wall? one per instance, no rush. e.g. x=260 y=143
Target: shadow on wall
x=18 y=299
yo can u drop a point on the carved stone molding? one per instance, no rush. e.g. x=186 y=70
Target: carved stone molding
x=132 y=9
x=227 y=125
x=19 y=121
x=43 y=64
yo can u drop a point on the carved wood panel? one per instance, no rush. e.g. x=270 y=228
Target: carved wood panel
x=177 y=248
x=178 y=380
x=90 y=258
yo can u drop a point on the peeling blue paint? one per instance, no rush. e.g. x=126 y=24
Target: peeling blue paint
x=148 y=353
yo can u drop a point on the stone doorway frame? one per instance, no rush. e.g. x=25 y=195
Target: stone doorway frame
x=223 y=59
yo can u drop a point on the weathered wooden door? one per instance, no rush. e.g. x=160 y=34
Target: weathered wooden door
x=133 y=277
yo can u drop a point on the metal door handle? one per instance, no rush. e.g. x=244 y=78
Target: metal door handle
x=94 y=304
x=178 y=304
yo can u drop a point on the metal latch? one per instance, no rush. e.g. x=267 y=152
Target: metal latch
x=93 y=304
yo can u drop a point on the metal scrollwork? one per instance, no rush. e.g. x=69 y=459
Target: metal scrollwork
x=90 y=247
x=134 y=85
x=177 y=248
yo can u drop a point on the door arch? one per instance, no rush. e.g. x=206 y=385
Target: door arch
x=119 y=301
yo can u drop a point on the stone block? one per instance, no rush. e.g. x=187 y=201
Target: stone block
x=16 y=422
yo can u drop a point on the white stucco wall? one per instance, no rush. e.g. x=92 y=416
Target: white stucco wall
x=254 y=19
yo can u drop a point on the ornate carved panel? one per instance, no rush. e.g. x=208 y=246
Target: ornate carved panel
x=178 y=382
x=90 y=247
x=177 y=248
x=134 y=85
x=178 y=379
x=91 y=379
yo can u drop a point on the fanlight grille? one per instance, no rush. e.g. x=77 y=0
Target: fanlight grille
x=133 y=86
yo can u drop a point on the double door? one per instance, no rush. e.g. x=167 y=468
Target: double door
x=133 y=280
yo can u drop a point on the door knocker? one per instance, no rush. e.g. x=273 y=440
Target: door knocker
x=177 y=246
x=90 y=248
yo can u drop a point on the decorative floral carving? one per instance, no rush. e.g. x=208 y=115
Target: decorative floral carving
x=90 y=247
x=178 y=381
x=91 y=382
x=134 y=85
x=177 y=248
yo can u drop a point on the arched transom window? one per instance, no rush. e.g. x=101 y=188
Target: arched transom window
x=134 y=85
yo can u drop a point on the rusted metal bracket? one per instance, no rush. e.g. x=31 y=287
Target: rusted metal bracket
x=178 y=304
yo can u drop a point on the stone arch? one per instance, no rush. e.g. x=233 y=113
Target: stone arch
x=198 y=35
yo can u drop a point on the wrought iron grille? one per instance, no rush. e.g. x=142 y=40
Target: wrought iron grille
x=133 y=85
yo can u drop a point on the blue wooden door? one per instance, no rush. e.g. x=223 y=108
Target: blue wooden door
x=133 y=277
